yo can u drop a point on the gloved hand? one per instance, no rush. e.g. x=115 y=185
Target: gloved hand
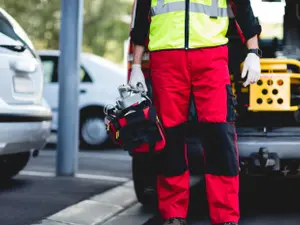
x=137 y=78
x=251 y=69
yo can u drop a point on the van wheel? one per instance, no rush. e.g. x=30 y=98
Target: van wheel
x=144 y=180
x=11 y=165
x=93 y=133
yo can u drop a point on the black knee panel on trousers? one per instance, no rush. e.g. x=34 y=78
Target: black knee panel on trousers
x=172 y=161
x=218 y=140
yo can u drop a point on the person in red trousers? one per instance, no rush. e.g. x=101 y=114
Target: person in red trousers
x=189 y=56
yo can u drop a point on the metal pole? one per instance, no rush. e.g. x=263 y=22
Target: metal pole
x=69 y=65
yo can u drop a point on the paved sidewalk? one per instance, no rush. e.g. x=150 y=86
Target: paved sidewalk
x=138 y=215
x=95 y=209
x=35 y=200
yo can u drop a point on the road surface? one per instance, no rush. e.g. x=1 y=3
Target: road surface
x=109 y=162
x=36 y=193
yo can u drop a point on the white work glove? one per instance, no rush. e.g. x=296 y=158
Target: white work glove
x=251 y=69
x=137 y=78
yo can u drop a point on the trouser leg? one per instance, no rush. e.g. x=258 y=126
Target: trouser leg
x=171 y=93
x=215 y=109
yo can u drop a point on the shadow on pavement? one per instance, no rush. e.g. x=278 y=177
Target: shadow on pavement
x=13 y=184
x=262 y=201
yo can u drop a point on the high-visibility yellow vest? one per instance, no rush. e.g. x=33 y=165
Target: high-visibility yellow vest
x=204 y=24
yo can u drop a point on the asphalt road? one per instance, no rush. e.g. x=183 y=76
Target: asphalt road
x=28 y=199
x=262 y=201
x=108 y=162
x=36 y=193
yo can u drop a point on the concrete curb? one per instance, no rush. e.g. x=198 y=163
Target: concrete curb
x=96 y=209
x=113 y=207
x=137 y=214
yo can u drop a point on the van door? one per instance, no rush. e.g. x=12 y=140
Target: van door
x=50 y=66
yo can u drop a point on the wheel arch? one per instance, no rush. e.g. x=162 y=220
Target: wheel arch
x=93 y=108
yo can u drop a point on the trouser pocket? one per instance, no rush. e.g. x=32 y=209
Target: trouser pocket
x=231 y=104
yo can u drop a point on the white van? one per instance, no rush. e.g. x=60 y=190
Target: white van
x=99 y=81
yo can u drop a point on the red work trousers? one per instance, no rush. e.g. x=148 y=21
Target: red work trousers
x=176 y=74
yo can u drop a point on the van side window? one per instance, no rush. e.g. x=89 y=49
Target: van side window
x=84 y=76
x=50 y=67
x=49 y=64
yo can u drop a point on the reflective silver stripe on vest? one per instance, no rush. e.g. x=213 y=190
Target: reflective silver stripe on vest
x=212 y=11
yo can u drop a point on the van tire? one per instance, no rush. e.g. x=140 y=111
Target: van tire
x=11 y=165
x=92 y=118
x=144 y=181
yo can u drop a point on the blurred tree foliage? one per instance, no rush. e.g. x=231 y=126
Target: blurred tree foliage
x=106 y=24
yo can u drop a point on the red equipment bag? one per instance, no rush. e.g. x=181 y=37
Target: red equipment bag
x=138 y=129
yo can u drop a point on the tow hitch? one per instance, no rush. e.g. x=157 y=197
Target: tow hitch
x=264 y=161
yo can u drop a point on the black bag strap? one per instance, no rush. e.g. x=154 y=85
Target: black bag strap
x=116 y=124
x=152 y=114
x=135 y=117
x=138 y=113
x=138 y=107
x=152 y=143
